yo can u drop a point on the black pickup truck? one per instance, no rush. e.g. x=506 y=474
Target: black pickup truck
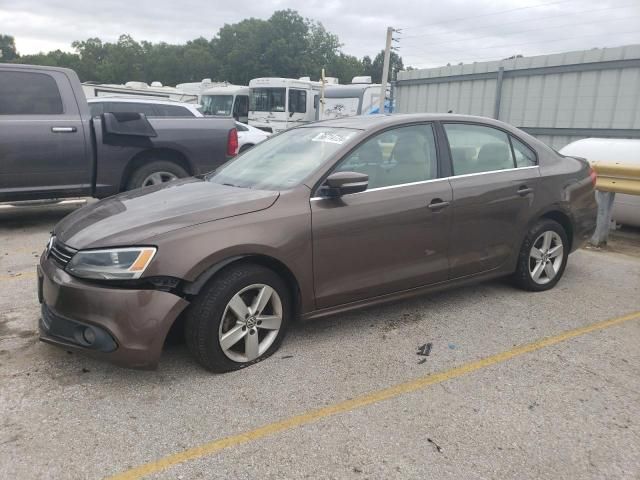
x=51 y=147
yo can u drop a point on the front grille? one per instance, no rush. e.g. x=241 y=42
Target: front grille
x=60 y=253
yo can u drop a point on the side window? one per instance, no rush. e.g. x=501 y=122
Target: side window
x=476 y=149
x=26 y=93
x=524 y=155
x=241 y=128
x=172 y=111
x=243 y=105
x=395 y=157
x=297 y=101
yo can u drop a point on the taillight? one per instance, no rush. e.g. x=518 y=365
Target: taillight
x=232 y=143
x=593 y=176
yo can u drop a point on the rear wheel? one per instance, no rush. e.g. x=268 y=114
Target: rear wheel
x=246 y=147
x=155 y=173
x=239 y=319
x=543 y=256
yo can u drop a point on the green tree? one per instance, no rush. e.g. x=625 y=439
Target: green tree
x=345 y=67
x=285 y=45
x=395 y=65
x=8 y=51
x=322 y=49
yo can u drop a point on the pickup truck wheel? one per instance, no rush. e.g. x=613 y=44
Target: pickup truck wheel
x=238 y=319
x=155 y=173
x=543 y=257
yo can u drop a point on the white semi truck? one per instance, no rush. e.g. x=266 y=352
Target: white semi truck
x=277 y=104
x=226 y=100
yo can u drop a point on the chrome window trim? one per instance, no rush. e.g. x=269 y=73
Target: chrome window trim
x=494 y=171
x=433 y=180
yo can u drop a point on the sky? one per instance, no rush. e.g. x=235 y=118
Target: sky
x=433 y=32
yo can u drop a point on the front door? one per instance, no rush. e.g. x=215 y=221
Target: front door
x=493 y=191
x=394 y=235
x=42 y=140
x=297 y=107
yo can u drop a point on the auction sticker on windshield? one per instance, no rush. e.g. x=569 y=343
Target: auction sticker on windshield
x=333 y=137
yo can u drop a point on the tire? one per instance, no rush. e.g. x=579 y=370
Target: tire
x=535 y=267
x=211 y=317
x=245 y=147
x=163 y=168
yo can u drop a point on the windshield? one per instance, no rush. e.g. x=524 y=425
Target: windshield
x=268 y=99
x=217 y=105
x=283 y=161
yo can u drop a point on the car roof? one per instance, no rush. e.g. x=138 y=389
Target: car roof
x=366 y=122
x=132 y=99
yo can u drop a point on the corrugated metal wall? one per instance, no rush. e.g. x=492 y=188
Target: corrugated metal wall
x=559 y=98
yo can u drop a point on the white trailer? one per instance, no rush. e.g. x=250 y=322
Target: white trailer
x=276 y=104
x=361 y=97
x=137 y=89
x=626 y=208
x=198 y=88
x=227 y=100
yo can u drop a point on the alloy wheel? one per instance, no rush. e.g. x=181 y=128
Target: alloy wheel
x=546 y=257
x=157 y=178
x=250 y=323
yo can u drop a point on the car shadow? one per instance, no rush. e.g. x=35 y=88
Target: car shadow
x=35 y=215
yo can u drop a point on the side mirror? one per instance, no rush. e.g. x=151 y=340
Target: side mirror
x=291 y=114
x=343 y=183
x=127 y=123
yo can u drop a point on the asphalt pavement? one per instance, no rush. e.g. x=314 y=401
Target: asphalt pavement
x=345 y=397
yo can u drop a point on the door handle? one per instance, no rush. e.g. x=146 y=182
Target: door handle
x=437 y=204
x=63 y=129
x=524 y=190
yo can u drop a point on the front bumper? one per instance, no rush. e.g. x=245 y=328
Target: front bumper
x=126 y=327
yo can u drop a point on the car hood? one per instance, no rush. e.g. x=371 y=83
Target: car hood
x=136 y=217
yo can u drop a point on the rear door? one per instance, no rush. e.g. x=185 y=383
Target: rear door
x=43 y=152
x=495 y=179
x=394 y=235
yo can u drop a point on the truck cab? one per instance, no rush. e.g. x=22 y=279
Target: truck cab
x=277 y=104
x=227 y=101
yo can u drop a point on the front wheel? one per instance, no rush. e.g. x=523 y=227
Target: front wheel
x=543 y=257
x=240 y=318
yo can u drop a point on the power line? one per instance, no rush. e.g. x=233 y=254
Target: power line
x=573 y=24
x=541 y=41
x=493 y=58
x=526 y=20
x=489 y=14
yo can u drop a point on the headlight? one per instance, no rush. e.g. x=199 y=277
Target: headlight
x=112 y=264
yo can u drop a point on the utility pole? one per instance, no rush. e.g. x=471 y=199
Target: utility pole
x=385 y=68
x=321 y=105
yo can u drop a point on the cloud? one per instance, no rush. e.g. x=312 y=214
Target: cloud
x=434 y=32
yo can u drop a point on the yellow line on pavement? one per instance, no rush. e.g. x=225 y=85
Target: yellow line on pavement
x=17 y=276
x=361 y=401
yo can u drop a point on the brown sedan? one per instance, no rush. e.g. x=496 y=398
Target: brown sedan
x=315 y=221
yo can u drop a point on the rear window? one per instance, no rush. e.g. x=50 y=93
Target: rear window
x=28 y=93
x=173 y=111
x=127 y=107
